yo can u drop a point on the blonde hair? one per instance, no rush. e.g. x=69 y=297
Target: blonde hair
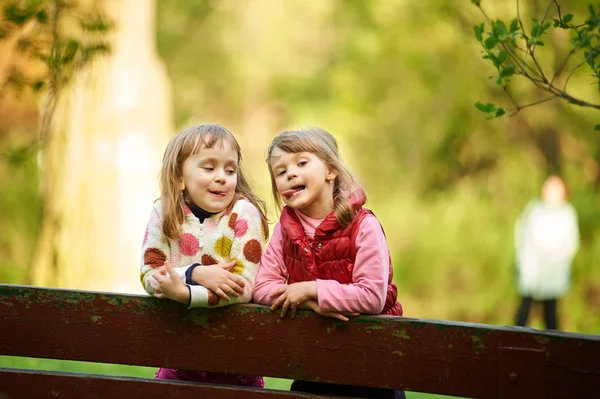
x=187 y=142
x=321 y=143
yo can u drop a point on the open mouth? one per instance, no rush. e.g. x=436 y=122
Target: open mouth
x=293 y=191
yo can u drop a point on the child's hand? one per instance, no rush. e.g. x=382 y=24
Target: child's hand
x=170 y=285
x=314 y=305
x=154 y=284
x=293 y=295
x=219 y=279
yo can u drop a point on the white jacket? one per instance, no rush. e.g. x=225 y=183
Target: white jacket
x=546 y=241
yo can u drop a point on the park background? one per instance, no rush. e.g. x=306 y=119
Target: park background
x=394 y=80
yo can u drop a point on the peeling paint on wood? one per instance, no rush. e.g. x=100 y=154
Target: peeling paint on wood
x=452 y=358
x=77 y=386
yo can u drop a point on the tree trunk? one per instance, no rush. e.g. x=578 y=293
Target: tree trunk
x=102 y=158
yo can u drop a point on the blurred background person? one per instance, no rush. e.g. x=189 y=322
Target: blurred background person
x=546 y=241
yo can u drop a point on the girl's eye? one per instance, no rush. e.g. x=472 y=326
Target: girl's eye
x=302 y=163
x=230 y=172
x=208 y=168
x=281 y=172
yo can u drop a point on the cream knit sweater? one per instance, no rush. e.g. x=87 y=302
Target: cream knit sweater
x=237 y=234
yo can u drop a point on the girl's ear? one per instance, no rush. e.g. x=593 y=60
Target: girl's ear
x=181 y=184
x=331 y=174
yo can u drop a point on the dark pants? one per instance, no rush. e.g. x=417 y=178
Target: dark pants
x=550 y=317
x=351 y=391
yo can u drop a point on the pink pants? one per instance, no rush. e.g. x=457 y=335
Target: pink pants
x=213 y=378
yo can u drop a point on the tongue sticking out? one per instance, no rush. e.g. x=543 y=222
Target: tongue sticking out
x=289 y=193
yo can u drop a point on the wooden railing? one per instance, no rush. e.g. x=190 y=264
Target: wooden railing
x=442 y=357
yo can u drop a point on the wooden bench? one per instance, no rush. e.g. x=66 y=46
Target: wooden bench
x=451 y=358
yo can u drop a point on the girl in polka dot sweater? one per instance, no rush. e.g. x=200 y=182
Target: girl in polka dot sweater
x=206 y=234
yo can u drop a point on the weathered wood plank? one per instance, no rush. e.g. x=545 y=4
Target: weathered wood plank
x=459 y=359
x=43 y=384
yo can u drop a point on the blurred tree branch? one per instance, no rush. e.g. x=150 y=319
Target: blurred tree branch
x=511 y=48
x=54 y=38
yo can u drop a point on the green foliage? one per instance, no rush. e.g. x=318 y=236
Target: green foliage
x=512 y=51
x=490 y=109
x=40 y=36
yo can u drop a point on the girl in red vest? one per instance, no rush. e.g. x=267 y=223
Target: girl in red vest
x=327 y=252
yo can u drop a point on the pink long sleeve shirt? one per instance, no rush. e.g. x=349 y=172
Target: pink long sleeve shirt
x=368 y=290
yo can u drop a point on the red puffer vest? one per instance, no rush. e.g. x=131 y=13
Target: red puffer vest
x=332 y=252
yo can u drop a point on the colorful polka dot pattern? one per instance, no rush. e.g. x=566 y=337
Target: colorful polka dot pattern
x=213 y=299
x=238 y=268
x=188 y=244
x=237 y=235
x=223 y=247
x=253 y=251
x=208 y=260
x=154 y=257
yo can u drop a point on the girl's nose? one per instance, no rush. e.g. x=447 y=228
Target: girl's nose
x=291 y=174
x=220 y=177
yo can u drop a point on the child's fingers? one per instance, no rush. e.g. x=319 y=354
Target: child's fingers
x=284 y=308
x=227 y=265
x=235 y=282
x=278 y=291
x=335 y=315
x=169 y=268
x=222 y=294
x=159 y=278
x=233 y=289
x=294 y=308
x=278 y=302
x=339 y=317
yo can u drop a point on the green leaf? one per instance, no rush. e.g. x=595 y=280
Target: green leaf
x=478 y=29
x=487 y=108
x=37 y=86
x=567 y=18
x=481 y=107
x=597 y=127
x=535 y=27
x=507 y=71
x=494 y=59
x=502 y=56
x=514 y=25
x=13 y=13
x=490 y=42
x=476 y=2
x=499 y=112
x=500 y=30
x=17 y=157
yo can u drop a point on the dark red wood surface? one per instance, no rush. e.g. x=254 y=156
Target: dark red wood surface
x=18 y=384
x=459 y=359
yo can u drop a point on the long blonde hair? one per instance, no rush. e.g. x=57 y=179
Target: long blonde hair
x=187 y=142
x=321 y=143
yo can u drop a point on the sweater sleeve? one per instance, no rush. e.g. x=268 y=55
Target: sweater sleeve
x=246 y=247
x=155 y=248
x=272 y=273
x=368 y=290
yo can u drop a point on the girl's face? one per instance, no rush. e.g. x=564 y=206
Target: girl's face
x=210 y=177
x=302 y=182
